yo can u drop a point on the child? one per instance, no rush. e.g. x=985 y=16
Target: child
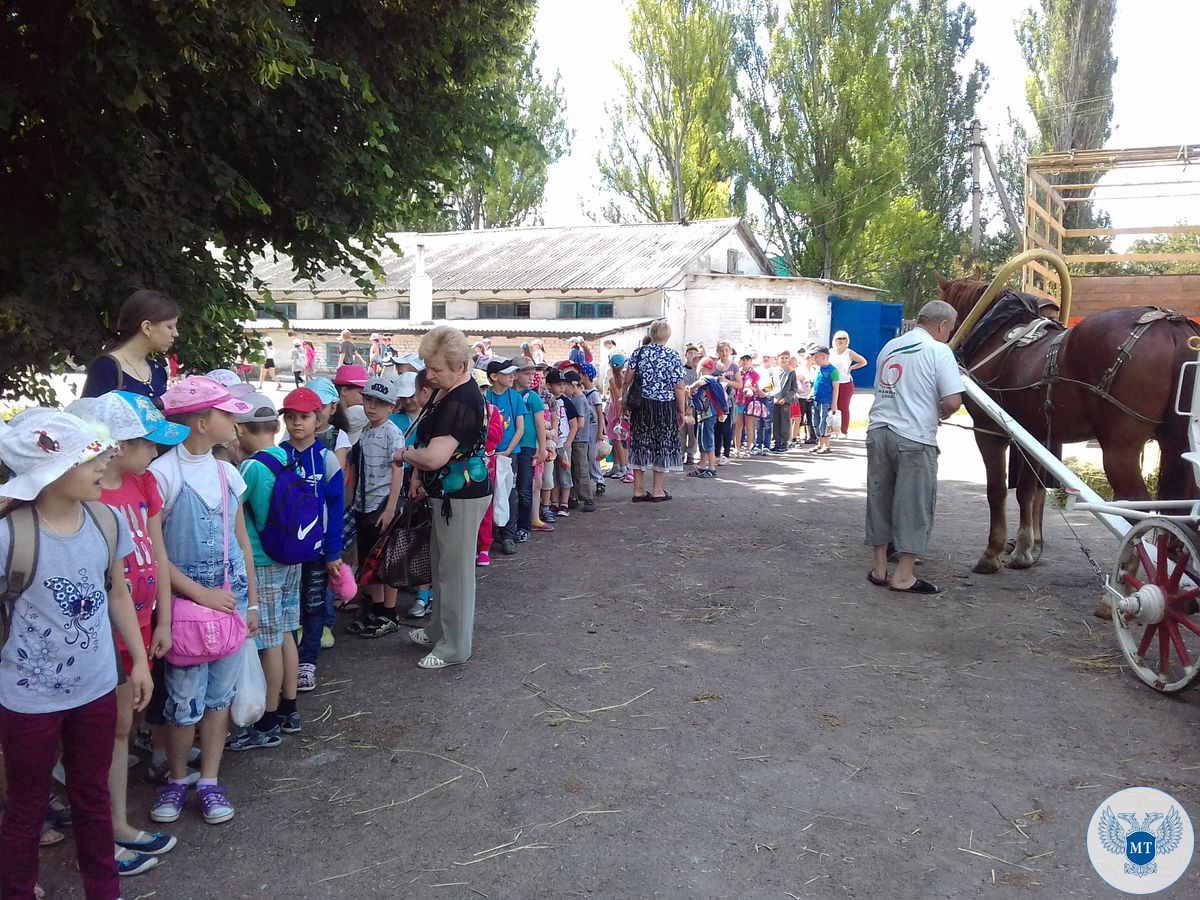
x=297 y=362
x=495 y=434
x=616 y=430
x=337 y=442
x=749 y=378
x=595 y=423
x=569 y=423
x=376 y=495
x=319 y=466
x=533 y=445
x=549 y=461
x=581 y=444
x=134 y=421
x=204 y=532
x=708 y=400
x=412 y=406
x=58 y=666
x=512 y=409
x=278 y=585
x=825 y=393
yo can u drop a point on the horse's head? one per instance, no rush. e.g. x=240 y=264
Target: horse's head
x=962 y=293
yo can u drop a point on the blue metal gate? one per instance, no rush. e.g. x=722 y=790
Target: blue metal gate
x=870 y=324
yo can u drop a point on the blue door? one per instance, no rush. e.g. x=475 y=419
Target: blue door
x=870 y=324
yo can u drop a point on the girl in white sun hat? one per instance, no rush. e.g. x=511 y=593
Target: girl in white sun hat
x=58 y=669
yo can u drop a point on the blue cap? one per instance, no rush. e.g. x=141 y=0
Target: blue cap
x=617 y=359
x=588 y=369
x=158 y=429
x=324 y=389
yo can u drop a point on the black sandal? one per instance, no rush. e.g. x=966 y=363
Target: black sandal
x=663 y=499
x=641 y=498
x=878 y=582
x=920 y=586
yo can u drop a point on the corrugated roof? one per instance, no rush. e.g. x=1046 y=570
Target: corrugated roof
x=577 y=257
x=589 y=328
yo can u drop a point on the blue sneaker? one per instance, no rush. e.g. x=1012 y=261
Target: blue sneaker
x=290 y=723
x=213 y=804
x=253 y=739
x=169 y=804
x=134 y=863
x=152 y=844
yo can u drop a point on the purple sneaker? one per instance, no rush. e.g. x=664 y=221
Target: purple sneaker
x=170 y=802
x=213 y=804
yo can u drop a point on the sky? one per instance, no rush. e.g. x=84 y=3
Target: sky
x=1155 y=42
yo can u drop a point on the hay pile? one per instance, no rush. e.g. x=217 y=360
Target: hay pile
x=1093 y=476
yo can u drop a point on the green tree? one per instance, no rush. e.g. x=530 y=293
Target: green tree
x=505 y=183
x=1067 y=47
x=936 y=103
x=663 y=157
x=150 y=144
x=819 y=109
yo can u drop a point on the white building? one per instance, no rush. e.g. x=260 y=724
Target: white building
x=710 y=279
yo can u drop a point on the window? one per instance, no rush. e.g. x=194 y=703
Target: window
x=585 y=309
x=332 y=349
x=766 y=310
x=731 y=260
x=284 y=310
x=404 y=309
x=503 y=309
x=346 y=310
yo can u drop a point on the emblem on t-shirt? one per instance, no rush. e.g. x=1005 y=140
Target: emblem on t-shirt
x=79 y=604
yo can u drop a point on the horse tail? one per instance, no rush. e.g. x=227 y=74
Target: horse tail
x=1175 y=478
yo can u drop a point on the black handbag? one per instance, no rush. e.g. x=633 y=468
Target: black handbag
x=401 y=556
x=634 y=400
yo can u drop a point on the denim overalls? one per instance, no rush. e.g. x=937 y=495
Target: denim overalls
x=192 y=535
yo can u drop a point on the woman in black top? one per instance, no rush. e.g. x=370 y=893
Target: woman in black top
x=146 y=325
x=450 y=469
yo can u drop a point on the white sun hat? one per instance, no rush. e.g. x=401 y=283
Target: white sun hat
x=41 y=445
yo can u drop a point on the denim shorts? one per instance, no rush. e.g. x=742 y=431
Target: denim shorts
x=278 y=603
x=193 y=690
x=705 y=434
x=820 y=414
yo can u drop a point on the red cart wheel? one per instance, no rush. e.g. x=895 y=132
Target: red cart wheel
x=1157 y=574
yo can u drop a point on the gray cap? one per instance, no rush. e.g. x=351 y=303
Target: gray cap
x=258 y=402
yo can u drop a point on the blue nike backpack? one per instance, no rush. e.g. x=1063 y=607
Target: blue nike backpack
x=294 y=530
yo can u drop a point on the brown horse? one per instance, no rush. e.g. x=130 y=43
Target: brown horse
x=1095 y=381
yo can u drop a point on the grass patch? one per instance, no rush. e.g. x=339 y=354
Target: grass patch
x=1092 y=474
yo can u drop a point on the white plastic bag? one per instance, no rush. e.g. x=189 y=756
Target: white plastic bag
x=504 y=484
x=835 y=422
x=250 y=699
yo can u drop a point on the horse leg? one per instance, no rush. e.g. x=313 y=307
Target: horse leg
x=992 y=448
x=1123 y=469
x=1031 y=498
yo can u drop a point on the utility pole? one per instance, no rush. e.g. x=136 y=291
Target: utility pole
x=976 y=188
x=1004 y=201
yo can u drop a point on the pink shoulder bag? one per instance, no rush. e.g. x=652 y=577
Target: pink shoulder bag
x=203 y=635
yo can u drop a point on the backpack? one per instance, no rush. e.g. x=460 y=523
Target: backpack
x=294 y=530
x=23 y=550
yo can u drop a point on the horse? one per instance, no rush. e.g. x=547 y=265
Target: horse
x=1110 y=378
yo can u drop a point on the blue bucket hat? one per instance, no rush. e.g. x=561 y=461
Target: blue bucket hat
x=324 y=389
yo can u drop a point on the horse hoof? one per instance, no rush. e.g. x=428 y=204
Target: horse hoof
x=986 y=566
x=1020 y=562
x=1103 y=611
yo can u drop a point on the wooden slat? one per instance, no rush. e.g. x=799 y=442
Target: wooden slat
x=1122 y=184
x=1157 y=229
x=1033 y=206
x=1131 y=257
x=1039 y=241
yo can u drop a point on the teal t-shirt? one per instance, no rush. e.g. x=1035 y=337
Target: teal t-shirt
x=511 y=407
x=260 y=483
x=535 y=406
x=402 y=421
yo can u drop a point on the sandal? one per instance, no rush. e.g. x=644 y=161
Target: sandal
x=878 y=582
x=420 y=637
x=920 y=586
x=641 y=498
x=663 y=499
x=436 y=662
x=50 y=835
x=346 y=606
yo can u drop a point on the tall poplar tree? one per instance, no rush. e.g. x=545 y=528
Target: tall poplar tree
x=662 y=159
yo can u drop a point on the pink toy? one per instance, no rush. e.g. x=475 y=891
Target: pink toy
x=343 y=584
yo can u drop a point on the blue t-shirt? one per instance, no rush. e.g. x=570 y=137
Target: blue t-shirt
x=402 y=421
x=511 y=407
x=535 y=407
x=823 y=386
x=104 y=375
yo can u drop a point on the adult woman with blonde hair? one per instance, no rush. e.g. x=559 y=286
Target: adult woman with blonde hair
x=146 y=328
x=845 y=361
x=450 y=468
x=654 y=423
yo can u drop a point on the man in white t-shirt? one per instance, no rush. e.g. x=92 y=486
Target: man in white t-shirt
x=917 y=383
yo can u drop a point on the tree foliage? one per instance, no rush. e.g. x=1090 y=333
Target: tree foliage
x=139 y=135
x=663 y=158
x=1067 y=47
x=505 y=183
x=1165 y=243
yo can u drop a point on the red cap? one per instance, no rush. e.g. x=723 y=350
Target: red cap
x=566 y=364
x=350 y=376
x=301 y=400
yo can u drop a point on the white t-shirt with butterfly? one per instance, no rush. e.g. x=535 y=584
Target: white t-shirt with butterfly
x=59 y=654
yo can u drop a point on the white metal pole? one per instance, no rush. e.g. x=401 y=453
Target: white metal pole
x=1118 y=526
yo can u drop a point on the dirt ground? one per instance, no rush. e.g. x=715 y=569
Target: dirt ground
x=706 y=699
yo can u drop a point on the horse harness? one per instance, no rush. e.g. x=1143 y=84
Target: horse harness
x=1036 y=330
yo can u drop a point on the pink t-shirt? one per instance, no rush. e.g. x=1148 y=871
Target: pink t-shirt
x=137 y=499
x=750 y=381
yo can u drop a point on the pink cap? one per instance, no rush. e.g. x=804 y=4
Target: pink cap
x=197 y=392
x=353 y=376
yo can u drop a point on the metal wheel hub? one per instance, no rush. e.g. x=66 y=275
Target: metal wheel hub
x=1147 y=605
